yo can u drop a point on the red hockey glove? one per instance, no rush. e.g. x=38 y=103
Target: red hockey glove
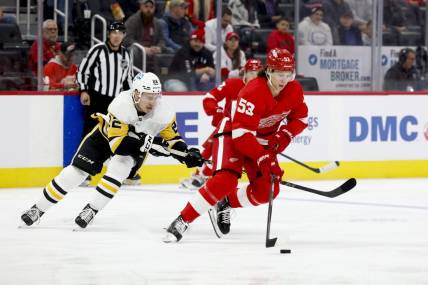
x=269 y=165
x=217 y=117
x=280 y=141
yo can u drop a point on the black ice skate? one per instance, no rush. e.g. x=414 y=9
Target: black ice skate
x=175 y=231
x=86 y=216
x=31 y=216
x=220 y=217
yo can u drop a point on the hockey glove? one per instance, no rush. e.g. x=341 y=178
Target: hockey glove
x=193 y=158
x=217 y=117
x=159 y=147
x=268 y=165
x=147 y=141
x=280 y=141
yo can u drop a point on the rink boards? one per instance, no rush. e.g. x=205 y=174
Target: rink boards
x=372 y=135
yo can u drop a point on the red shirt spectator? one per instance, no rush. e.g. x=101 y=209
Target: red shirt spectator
x=50 y=45
x=280 y=38
x=61 y=71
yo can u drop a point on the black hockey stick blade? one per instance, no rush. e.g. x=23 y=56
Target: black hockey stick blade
x=345 y=187
x=270 y=242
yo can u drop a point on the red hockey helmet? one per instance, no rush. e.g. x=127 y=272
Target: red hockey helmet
x=253 y=65
x=280 y=59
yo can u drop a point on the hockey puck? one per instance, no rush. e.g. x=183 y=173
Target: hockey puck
x=285 y=251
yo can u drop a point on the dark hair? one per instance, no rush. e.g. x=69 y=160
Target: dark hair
x=262 y=73
x=402 y=56
x=282 y=19
x=236 y=57
x=226 y=11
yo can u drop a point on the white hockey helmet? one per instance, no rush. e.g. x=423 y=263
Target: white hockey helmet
x=147 y=83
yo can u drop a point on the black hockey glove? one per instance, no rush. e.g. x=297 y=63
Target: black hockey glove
x=193 y=158
x=159 y=147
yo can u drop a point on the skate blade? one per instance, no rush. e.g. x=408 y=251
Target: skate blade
x=169 y=238
x=213 y=218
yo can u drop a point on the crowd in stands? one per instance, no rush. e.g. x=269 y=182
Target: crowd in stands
x=179 y=36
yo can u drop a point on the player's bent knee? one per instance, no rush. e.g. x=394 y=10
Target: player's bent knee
x=262 y=192
x=120 y=166
x=71 y=177
x=222 y=183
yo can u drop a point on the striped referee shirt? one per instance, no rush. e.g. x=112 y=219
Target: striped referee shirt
x=105 y=71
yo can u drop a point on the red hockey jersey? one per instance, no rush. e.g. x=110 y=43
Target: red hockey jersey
x=228 y=90
x=258 y=115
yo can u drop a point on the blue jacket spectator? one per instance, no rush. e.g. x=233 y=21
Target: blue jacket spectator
x=349 y=34
x=176 y=29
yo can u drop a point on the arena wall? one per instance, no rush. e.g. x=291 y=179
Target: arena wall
x=373 y=135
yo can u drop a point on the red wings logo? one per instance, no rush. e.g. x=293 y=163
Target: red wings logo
x=272 y=120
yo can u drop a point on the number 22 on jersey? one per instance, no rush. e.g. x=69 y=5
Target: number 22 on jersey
x=245 y=107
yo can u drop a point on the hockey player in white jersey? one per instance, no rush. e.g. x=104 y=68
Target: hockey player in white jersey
x=138 y=122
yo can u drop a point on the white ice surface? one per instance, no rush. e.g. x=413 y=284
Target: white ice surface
x=375 y=234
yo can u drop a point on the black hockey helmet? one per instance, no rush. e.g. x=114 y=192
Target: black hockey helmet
x=116 y=26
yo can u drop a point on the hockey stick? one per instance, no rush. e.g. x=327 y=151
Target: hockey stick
x=183 y=154
x=345 y=187
x=332 y=165
x=270 y=242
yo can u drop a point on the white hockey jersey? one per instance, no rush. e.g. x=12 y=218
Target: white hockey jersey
x=123 y=120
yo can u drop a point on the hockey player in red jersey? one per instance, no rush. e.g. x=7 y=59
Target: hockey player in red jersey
x=250 y=140
x=227 y=91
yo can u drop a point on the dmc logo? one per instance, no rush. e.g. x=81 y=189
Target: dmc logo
x=313 y=59
x=426 y=131
x=384 y=60
x=378 y=128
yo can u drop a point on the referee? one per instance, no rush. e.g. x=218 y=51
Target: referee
x=103 y=74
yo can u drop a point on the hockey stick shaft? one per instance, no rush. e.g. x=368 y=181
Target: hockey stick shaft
x=345 y=187
x=328 y=167
x=270 y=242
x=184 y=154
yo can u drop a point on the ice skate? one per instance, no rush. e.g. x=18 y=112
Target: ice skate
x=136 y=180
x=86 y=216
x=193 y=183
x=220 y=217
x=32 y=215
x=175 y=231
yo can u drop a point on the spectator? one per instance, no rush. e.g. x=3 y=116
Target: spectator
x=367 y=35
x=393 y=16
x=333 y=9
x=232 y=57
x=362 y=10
x=243 y=13
x=402 y=76
x=6 y=18
x=60 y=70
x=211 y=29
x=414 y=14
x=280 y=38
x=176 y=29
x=50 y=44
x=268 y=13
x=193 y=64
x=349 y=34
x=143 y=28
x=313 y=31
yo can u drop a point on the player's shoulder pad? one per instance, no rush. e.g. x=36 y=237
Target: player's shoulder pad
x=163 y=113
x=122 y=107
x=295 y=88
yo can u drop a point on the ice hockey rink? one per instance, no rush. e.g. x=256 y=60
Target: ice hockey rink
x=374 y=234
